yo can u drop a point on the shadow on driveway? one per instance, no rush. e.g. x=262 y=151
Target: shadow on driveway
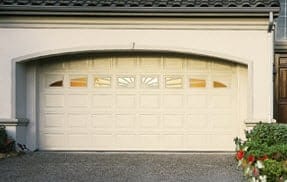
x=146 y=167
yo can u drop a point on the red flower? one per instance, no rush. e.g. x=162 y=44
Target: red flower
x=239 y=155
x=251 y=159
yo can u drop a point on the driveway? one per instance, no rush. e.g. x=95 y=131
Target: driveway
x=149 y=167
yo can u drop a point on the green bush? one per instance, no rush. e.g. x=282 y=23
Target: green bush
x=263 y=156
x=273 y=170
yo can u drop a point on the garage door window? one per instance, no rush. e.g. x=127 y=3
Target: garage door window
x=102 y=82
x=150 y=82
x=54 y=81
x=197 y=83
x=78 y=81
x=218 y=84
x=173 y=82
x=126 y=81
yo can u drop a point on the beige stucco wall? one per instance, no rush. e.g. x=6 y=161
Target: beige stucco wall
x=246 y=41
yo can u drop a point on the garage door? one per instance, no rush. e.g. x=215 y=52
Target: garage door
x=138 y=103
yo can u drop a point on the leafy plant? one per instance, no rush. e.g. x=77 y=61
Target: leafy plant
x=263 y=156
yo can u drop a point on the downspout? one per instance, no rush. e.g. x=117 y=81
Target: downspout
x=272 y=37
x=271 y=22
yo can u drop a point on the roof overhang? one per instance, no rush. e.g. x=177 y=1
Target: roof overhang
x=139 y=12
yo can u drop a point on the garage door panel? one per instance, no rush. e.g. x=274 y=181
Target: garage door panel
x=77 y=120
x=78 y=100
x=138 y=103
x=126 y=121
x=54 y=100
x=197 y=122
x=149 y=121
x=197 y=101
x=127 y=101
x=101 y=121
x=53 y=140
x=173 y=101
x=78 y=140
x=103 y=101
x=173 y=121
x=103 y=141
x=150 y=101
x=53 y=120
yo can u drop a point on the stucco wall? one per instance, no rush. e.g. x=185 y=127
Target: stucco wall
x=245 y=41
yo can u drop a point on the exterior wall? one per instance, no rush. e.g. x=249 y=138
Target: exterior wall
x=240 y=40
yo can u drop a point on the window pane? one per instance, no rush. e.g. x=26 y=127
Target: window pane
x=173 y=82
x=197 y=83
x=126 y=82
x=102 y=82
x=79 y=81
x=281 y=28
x=149 y=82
x=54 y=80
x=217 y=84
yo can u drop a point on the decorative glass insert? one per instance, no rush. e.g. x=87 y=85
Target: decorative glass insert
x=217 y=84
x=150 y=82
x=197 y=83
x=173 y=82
x=54 y=81
x=78 y=81
x=126 y=81
x=102 y=82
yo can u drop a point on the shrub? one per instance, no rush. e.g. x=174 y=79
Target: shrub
x=263 y=156
x=3 y=136
x=6 y=144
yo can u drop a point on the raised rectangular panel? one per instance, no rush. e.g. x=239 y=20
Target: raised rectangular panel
x=78 y=100
x=78 y=120
x=150 y=64
x=102 y=101
x=126 y=101
x=125 y=121
x=197 y=101
x=221 y=101
x=150 y=141
x=197 y=122
x=79 y=140
x=54 y=100
x=222 y=121
x=222 y=141
x=124 y=63
x=103 y=141
x=173 y=101
x=197 y=141
x=173 y=64
x=173 y=121
x=126 y=140
x=172 y=141
x=77 y=65
x=52 y=140
x=222 y=66
x=149 y=101
x=149 y=121
x=102 y=65
x=102 y=121
x=197 y=65
x=54 y=120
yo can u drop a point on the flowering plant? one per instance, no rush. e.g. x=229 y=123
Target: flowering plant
x=263 y=156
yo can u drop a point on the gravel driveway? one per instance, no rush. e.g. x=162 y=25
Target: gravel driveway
x=149 y=167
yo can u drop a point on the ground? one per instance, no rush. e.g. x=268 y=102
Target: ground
x=149 y=167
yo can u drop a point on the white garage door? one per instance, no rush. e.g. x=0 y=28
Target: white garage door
x=138 y=103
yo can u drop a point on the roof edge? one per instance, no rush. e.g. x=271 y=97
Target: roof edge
x=146 y=12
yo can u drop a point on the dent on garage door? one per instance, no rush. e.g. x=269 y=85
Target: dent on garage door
x=138 y=103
